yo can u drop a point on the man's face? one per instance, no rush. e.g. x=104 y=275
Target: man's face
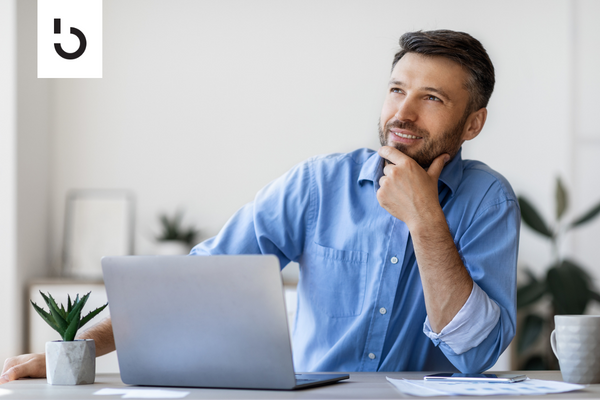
x=424 y=115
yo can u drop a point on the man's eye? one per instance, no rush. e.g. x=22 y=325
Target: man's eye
x=395 y=90
x=433 y=98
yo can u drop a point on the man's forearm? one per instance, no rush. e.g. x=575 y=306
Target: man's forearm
x=102 y=334
x=410 y=193
x=446 y=282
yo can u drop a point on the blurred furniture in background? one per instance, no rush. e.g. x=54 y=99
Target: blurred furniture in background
x=98 y=222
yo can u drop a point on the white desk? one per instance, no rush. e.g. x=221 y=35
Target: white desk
x=361 y=385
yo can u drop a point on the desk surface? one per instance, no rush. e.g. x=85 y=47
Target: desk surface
x=361 y=385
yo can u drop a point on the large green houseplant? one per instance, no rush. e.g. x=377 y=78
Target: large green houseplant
x=69 y=361
x=566 y=285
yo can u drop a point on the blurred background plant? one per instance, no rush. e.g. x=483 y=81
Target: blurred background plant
x=566 y=285
x=174 y=238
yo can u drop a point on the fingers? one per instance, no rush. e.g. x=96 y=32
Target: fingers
x=396 y=157
x=28 y=365
x=436 y=167
x=9 y=375
x=391 y=154
x=8 y=364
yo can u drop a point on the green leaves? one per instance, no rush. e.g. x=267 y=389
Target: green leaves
x=530 y=293
x=172 y=229
x=532 y=324
x=561 y=199
x=569 y=286
x=532 y=218
x=59 y=316
x=91 y=315
x=66 y=322
x=46 y=317
x=588 y=216
x=532 y=327
x=71 y=330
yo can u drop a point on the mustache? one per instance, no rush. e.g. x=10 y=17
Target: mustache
x=408 y=126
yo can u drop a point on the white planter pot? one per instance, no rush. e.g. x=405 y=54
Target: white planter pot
x=172 y=248
x=71 y=363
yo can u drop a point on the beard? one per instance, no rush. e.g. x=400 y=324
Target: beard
x=449 y=142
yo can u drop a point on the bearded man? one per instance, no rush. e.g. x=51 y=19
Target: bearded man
x=407 y=255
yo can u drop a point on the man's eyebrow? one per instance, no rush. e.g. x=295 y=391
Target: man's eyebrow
x=425 y=88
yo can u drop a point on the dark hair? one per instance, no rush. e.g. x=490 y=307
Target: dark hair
x=459 y=47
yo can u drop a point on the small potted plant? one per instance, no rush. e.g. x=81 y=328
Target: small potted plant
x=69 y=361
x=174 y=239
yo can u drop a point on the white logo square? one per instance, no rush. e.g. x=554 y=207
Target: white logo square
x=69 y=38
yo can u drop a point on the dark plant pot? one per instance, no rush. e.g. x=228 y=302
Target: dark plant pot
x=71 y=363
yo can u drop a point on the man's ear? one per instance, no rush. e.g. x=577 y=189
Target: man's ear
x=474 y=124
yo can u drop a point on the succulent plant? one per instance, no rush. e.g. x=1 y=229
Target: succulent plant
x=66 y=321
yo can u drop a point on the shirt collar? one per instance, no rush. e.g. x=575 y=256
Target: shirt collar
x=452 y=173
x=372 y=170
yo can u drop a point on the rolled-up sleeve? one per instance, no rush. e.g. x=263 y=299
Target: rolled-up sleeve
x=470 y=326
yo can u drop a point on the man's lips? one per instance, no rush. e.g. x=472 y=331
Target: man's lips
x=404 y=134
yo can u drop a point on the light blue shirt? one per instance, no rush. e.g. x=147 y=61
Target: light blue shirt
x=360 y=298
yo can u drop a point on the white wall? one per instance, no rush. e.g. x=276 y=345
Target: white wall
x=33 y=160
x=9 y=287
x=24 y=169
x=586 y=137
x=204 y=102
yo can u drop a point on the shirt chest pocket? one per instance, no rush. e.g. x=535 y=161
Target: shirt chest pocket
x=337 y=280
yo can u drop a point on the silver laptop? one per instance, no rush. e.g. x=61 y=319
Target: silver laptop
x=202 y=321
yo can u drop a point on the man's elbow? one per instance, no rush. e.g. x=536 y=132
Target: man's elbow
x=485 y=355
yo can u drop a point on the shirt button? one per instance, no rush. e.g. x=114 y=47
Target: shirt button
x=394 y=260
x=371 y=356
x=382 y=310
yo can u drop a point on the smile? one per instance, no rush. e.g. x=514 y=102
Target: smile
x=402 y=135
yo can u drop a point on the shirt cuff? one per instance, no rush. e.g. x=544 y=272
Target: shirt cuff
x=470 y=326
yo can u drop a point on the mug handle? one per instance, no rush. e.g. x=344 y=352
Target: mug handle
x=553 y=343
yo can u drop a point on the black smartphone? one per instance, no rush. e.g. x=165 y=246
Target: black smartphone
x=456 y=377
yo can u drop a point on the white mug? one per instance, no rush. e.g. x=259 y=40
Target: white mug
x=576 y=343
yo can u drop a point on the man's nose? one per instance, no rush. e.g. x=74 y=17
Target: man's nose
x=407 y=110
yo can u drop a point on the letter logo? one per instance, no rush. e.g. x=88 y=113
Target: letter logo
x=74 y=31
x=69 y=38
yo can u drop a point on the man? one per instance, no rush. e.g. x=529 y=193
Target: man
x=407 y=256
